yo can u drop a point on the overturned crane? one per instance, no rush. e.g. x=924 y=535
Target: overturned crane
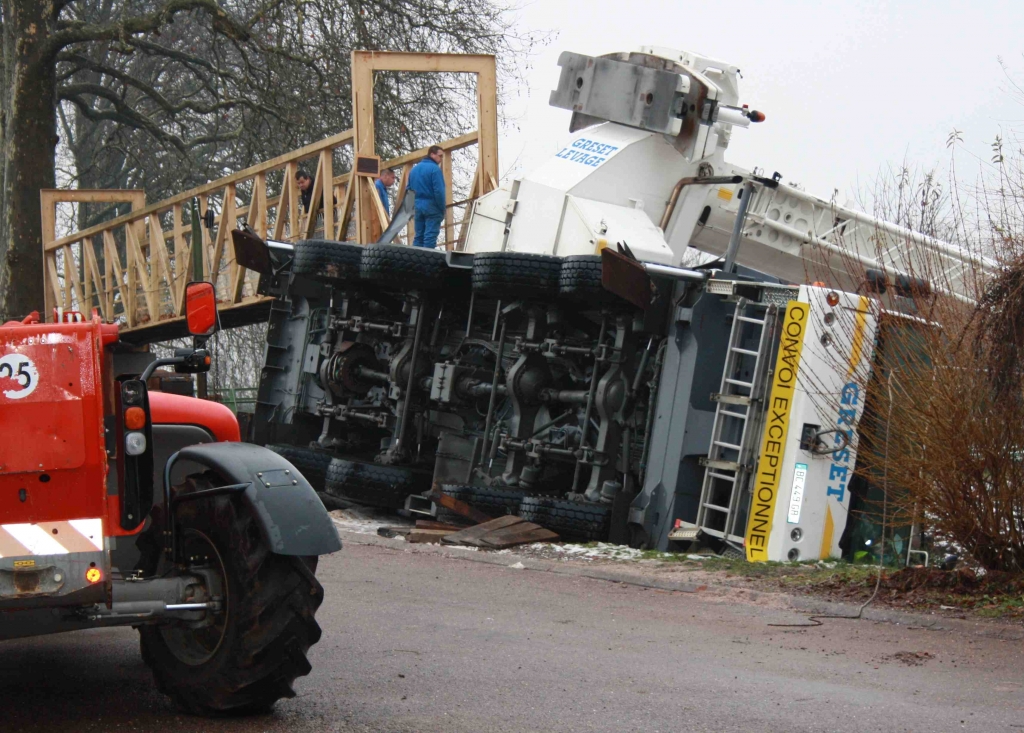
x=567 y=367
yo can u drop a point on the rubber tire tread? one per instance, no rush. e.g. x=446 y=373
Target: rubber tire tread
x=570 y=519
x=516 y=274
x=491 y=501
x=580 y=280
x=371 y=483
x=334 y=263
x=397 y=266
x=312 y=464
x=272 y=601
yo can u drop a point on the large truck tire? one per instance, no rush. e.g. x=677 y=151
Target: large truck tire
x=516 y=275
x=256 y=646
x=577 y=520
x=491 y=501
x=371 y=483
x=311 y=463
x=580 y=280
x=334 y=263
x=398 y=267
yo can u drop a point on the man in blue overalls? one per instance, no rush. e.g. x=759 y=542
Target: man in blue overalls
x=427 y=181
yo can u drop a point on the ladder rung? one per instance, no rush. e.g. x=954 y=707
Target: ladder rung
x=732 y=399
x=715 y=507
x=713 y=532
x=747 y=319
x=737 y=415
x=739 y=383
x=749 y=352
x=731 y=479
x=727 y=445
x=715 y=463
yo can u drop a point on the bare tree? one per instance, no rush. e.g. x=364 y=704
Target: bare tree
x=164 y=94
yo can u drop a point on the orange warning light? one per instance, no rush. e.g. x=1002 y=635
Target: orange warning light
x=93 y=575
x=135 y=418
x=832 y=299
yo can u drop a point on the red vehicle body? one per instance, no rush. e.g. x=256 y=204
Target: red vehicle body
x=91 y=534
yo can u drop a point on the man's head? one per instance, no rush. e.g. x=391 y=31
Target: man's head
x=387 y=177
x=435 y=153
x=303 y=180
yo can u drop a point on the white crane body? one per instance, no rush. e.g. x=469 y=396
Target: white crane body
x=646 y=168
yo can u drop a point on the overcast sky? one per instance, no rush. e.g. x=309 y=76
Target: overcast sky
x=848 y=87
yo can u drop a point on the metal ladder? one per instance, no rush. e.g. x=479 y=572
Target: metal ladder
x=737 y=427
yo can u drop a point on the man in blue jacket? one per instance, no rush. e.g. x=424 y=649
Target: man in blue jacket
x=427 y=181
x=386 y=181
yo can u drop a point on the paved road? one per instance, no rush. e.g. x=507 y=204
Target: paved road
x=422 y=642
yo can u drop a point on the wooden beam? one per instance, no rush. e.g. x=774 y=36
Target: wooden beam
x=92 y=271
x=487 y=122
x=71 y=276
x=449 y=222
x=315 y=198
x=460 y=245
x=378 y=207
x=402 y=185
x=226 y=219
x=137 y=272
x=259 y=199
x=158 y=250
x=51 y=290
x=111 y=257
x=346 y=210
x=327 y=171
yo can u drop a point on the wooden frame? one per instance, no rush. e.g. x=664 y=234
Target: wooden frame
x=48 y=200
x=134 y=268
x=365 y=63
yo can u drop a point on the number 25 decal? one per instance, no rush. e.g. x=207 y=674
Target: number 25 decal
x=22 y=372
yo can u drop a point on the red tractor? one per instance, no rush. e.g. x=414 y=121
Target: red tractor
x=120 y=507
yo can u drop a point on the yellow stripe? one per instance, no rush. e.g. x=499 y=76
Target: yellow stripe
x=776 y=427
x=859 y=327
x=826 y=537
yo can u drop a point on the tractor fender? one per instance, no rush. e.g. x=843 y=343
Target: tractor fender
x=290 y=514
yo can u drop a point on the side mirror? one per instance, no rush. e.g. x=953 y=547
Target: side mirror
x=201 y=309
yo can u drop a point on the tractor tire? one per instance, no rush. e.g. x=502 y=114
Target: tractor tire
x=372 y=484
x=516 y=275
x=577 y=520
x=398 y=267
x=256 y=646
x=312 y=464
x=492 y=502
x=580 y=280
x=334 y=263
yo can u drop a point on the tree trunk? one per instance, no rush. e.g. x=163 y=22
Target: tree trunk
x=29 y=141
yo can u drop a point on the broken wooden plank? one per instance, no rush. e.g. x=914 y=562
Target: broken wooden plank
x=459 y=507
x=471 y=535
x=427 y=536
x=431 y=524
x=518 y=534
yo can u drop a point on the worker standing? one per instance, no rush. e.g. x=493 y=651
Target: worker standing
x=427 y=181
x=382 y=184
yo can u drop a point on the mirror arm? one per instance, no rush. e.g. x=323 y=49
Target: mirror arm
x=156 y=364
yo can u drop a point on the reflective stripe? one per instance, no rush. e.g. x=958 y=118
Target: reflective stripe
x=10 y=547
x=92 y=529
x=51 y=538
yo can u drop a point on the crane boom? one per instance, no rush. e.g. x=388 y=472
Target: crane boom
x=647 y=167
